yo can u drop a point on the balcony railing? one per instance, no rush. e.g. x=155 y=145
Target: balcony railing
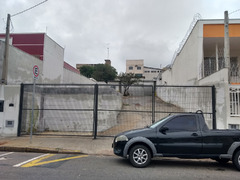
x=234 y=74
x=209 y=66
x=234 y=100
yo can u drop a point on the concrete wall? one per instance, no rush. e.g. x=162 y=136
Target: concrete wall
x=20 y=66
x=53 y=59
x=1 y=57
x=220 y=81
x=188 y=99
x=80 y=120
x=20 y=70
x=70 y=77
x=9 y=117
x=185 y=68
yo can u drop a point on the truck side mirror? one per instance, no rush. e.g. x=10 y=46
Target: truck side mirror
x=163 y=130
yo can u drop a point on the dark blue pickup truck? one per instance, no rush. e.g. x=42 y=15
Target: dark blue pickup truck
x=181 y=135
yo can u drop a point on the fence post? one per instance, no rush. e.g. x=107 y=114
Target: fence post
x=214 y=123
x=120 y=87
x=153 y=101
x=95 y=111
x=20 y=110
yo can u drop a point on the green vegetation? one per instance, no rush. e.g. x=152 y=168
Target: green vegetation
x=86 y=71
x=127 y=79
x=35 y=119
x=100 y=72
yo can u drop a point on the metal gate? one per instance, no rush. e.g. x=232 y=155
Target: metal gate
x=102 y=110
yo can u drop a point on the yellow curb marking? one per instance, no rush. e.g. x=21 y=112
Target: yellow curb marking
x=38 y=163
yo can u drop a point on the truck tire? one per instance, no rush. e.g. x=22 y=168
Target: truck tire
x=139 y=156
x=236 y=160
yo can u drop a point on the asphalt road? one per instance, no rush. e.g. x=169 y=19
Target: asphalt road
x=64 y=166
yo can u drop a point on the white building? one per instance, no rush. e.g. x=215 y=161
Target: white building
x=52 y=68
x=200 y=61
x=151 y=73
x=137 y=67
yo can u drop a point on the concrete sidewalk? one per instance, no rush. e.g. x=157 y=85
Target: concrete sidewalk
x=58 y=144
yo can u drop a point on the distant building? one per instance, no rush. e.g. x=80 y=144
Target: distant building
x=137 y=67
x=151 y=73
x=78 y=66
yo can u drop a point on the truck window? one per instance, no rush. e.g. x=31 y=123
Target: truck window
x=182 y=123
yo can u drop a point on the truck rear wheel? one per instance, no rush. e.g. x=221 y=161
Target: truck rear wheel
x=236 y=160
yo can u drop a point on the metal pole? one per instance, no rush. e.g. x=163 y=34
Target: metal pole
x=153 y=101
x=6 y=52
x=120 y=86
x=20 y=110
x=217 y=66
x=226 y=43
x=95 y=111
x=34 y=82
x=214 y=121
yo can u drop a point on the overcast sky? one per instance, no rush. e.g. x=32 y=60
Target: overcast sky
x=132 y=29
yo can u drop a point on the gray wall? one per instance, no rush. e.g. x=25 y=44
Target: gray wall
x=76 y=118
x=10 y=95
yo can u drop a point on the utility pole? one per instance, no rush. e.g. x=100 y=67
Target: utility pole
x=6 y=52
x=226 y=43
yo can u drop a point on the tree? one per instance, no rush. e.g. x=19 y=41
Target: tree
x=104 y=72
x=127 y=79
x=87 y=71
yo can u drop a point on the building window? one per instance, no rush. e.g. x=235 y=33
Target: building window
x=130 y=68
x=9 y=123
x=138 y=75
x=234 y=101
x=139 y=68
x=233 y=126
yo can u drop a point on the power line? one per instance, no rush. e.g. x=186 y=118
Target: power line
x=4 y=22
x=234 y=11
x=29 y=8
x=12 y=27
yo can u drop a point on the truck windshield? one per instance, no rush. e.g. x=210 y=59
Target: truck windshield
x=154 y=125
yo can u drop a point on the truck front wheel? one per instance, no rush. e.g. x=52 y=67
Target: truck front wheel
x=139 y=156
x=236 y=160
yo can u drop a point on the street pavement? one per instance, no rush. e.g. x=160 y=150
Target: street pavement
x=58 y=144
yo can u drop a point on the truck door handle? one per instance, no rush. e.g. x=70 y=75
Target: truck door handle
x=194 y=134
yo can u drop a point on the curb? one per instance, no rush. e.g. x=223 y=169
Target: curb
x=39 y=150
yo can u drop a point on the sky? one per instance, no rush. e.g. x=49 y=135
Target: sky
x=91 y=31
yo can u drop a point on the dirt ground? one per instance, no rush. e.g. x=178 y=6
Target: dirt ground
x=137 y=113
